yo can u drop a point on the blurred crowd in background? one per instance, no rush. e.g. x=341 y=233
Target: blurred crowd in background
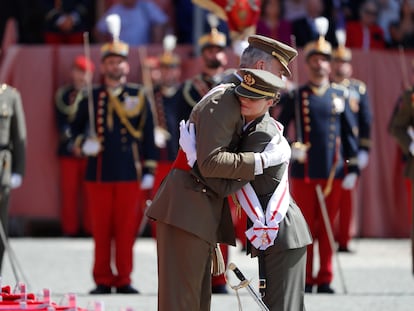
x=389 y=22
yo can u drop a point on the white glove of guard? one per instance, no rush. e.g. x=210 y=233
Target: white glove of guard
x=147 y=181
x=160 y=137
x=349 y=181
x=299 y=152
x=411 y=148
x=188 y=141
x=91 y=147
x=16 y=181
x=276 y=152
x=363 y=158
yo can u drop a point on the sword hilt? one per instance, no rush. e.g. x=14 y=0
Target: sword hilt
x=251 y=291
x=237 y=272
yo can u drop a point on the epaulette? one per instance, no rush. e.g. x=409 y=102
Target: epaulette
x=362 y=87
x=7 y=87
x=340 y=87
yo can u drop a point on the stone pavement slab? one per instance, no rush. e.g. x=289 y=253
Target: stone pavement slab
x=377 y=276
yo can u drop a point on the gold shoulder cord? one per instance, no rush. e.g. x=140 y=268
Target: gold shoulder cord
x=124 y=114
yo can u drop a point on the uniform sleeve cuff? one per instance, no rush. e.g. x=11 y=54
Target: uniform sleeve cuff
x=258 y=165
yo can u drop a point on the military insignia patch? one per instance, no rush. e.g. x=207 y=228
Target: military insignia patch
x=249 y=80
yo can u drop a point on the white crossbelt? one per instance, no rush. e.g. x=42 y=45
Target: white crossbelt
x=265 y=224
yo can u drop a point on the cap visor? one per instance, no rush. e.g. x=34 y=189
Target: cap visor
x=241 y=91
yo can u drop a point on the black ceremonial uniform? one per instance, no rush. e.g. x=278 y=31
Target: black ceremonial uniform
x=324 y=120
x=125 y=130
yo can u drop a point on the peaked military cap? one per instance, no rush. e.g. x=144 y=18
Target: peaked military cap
x=282 y=52
x=259 y=84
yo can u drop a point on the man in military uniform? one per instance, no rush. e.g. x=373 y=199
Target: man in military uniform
x=12 y=151
x=278 y=233
x=191 y=218
x=114 y=175
x=212 y=46
x=361 y=124
x=72 y=166
x=324 y=140
x=266 y=54
x=214 y=59
x=401 y=128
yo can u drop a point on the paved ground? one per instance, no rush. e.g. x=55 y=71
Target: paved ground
x=377 y=276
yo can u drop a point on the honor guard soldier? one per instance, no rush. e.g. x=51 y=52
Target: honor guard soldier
x=214 y=59
x=121 y=161
x=75 y=220
x=324 y=154
x=361 y=125
x=165 y=101
x=12 y=151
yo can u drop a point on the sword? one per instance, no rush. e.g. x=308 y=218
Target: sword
x=86 y=46
x=328 y=227
x=298 y=126
x=249 y=288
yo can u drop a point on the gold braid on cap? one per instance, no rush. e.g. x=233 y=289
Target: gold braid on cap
x=280 y=58
x=252 y=89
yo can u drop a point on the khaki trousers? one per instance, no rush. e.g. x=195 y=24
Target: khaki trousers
x=184 y=270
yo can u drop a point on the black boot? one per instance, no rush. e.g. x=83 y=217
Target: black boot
x=101 y=290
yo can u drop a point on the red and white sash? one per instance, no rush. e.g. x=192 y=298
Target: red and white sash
x=265 y=224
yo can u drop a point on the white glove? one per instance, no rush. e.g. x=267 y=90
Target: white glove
x=147 y=181
x=349 y=181
x=16 y=181
x=276 y=152
x=363 y=157
x=411 y=148
x=299 y=152
x=188 y=141
x=91 y=147
x=161 y=137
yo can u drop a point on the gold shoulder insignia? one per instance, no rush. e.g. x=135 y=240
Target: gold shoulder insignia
x=361 y=86
x=342 y=88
